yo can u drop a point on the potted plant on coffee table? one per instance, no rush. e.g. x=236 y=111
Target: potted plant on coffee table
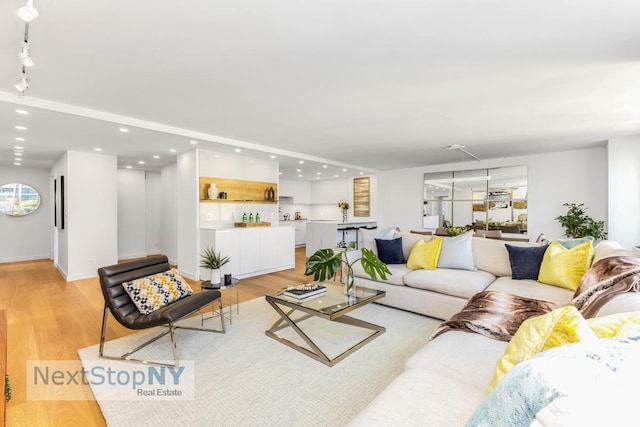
x=213 y=261
x=325 y=263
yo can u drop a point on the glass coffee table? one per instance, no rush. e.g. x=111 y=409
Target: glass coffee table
x=332 y=306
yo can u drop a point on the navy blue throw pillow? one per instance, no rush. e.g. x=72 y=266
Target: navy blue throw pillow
x=390 y=251
x=525 y=261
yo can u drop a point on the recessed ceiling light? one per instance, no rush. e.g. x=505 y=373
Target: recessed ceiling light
x=173 y=150
x=193 y=142
x=141 y=162
x=17 y=153
x=128 y=167
x=17 y=164
x=324 y=166
x=251 y=161
x=301 y=161
x=217 y=155
x=21 y=128
x=279 y=173
x=272 y=156
x=20 y=139
x=361 y=173
x=17 y=147
x=124 y=130
x=97 y=149
x=317 y=177
x=318 y=173
x=237 y=150
x=344 y=170
x=156 y=157
x=17 y=160
x=22 y=112
x=335 y=176
x=298 y=170
x=299 y=176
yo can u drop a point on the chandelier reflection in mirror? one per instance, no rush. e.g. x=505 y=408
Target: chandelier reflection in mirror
x=18 y=199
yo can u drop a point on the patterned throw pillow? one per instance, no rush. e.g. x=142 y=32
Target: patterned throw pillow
x=153 y=292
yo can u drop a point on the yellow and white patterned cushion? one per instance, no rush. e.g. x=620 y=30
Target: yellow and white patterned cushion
x=158 y=290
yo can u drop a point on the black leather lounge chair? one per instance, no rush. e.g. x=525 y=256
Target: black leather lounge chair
x=126 y=313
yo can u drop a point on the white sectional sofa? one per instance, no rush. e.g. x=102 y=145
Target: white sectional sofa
x=443 y=292
x=445 y=381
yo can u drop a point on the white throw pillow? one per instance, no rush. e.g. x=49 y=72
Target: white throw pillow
x=368 y=237
x=456 y=252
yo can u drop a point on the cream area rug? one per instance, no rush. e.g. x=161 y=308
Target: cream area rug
x=244 y=378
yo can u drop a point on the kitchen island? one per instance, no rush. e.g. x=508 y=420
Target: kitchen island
x=328 y=234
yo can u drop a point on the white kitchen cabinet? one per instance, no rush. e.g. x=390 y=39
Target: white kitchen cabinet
x=300 y=233
x=329 y=192
x=300 y=191
x=253 y=251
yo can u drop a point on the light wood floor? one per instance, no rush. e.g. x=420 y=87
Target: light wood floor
x=50 y=319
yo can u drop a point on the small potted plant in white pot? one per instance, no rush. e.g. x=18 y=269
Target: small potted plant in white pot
x=213 y=261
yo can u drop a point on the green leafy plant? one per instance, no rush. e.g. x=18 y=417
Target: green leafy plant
x=325 y=263
x=578 y=224
x=212 y=260
x=455 y=231
x=7 y=388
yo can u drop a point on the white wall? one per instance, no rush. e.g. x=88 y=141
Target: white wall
x=153 y=213
x=27 y=237
x=624 y=190
x=91 y=223
x=187 y=173
x=131 y=214
x=60 y=236
x=168 y=221
x=578 y=176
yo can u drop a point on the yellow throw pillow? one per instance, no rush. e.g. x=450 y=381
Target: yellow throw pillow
x=565 y=267
x=621 y=325
x=561 y=326
x=424 y=255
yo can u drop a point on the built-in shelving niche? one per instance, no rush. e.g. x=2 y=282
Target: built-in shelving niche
x=238 y=191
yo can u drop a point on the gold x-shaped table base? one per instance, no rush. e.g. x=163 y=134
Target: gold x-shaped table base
x=315 y=352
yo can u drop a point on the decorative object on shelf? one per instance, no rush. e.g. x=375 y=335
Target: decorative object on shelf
x=494 y=225
x=345 y=210
x=252 y=224
x=271 y=194
x=578 y=224
x=223 y=195
x=213 y=261
x=455 y=231
x=213 y=191
x=325 y=263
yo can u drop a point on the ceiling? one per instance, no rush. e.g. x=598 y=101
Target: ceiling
x=359 y=85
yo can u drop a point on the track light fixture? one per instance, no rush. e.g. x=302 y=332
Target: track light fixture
x=28 y=13
x=23 y=83
x=24 y=56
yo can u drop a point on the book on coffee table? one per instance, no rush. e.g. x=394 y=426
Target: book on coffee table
x=304 y=292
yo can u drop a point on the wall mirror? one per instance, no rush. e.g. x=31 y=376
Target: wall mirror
x=18 y=199
x=480 y=199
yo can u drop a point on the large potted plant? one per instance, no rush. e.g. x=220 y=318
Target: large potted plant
x=213 y=261
x=578 y=224
x=325 y=263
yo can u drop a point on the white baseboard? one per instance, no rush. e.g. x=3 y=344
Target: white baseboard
x=26 y=258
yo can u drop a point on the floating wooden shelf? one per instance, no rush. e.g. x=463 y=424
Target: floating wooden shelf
x=238 y=191
x=238 y=201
